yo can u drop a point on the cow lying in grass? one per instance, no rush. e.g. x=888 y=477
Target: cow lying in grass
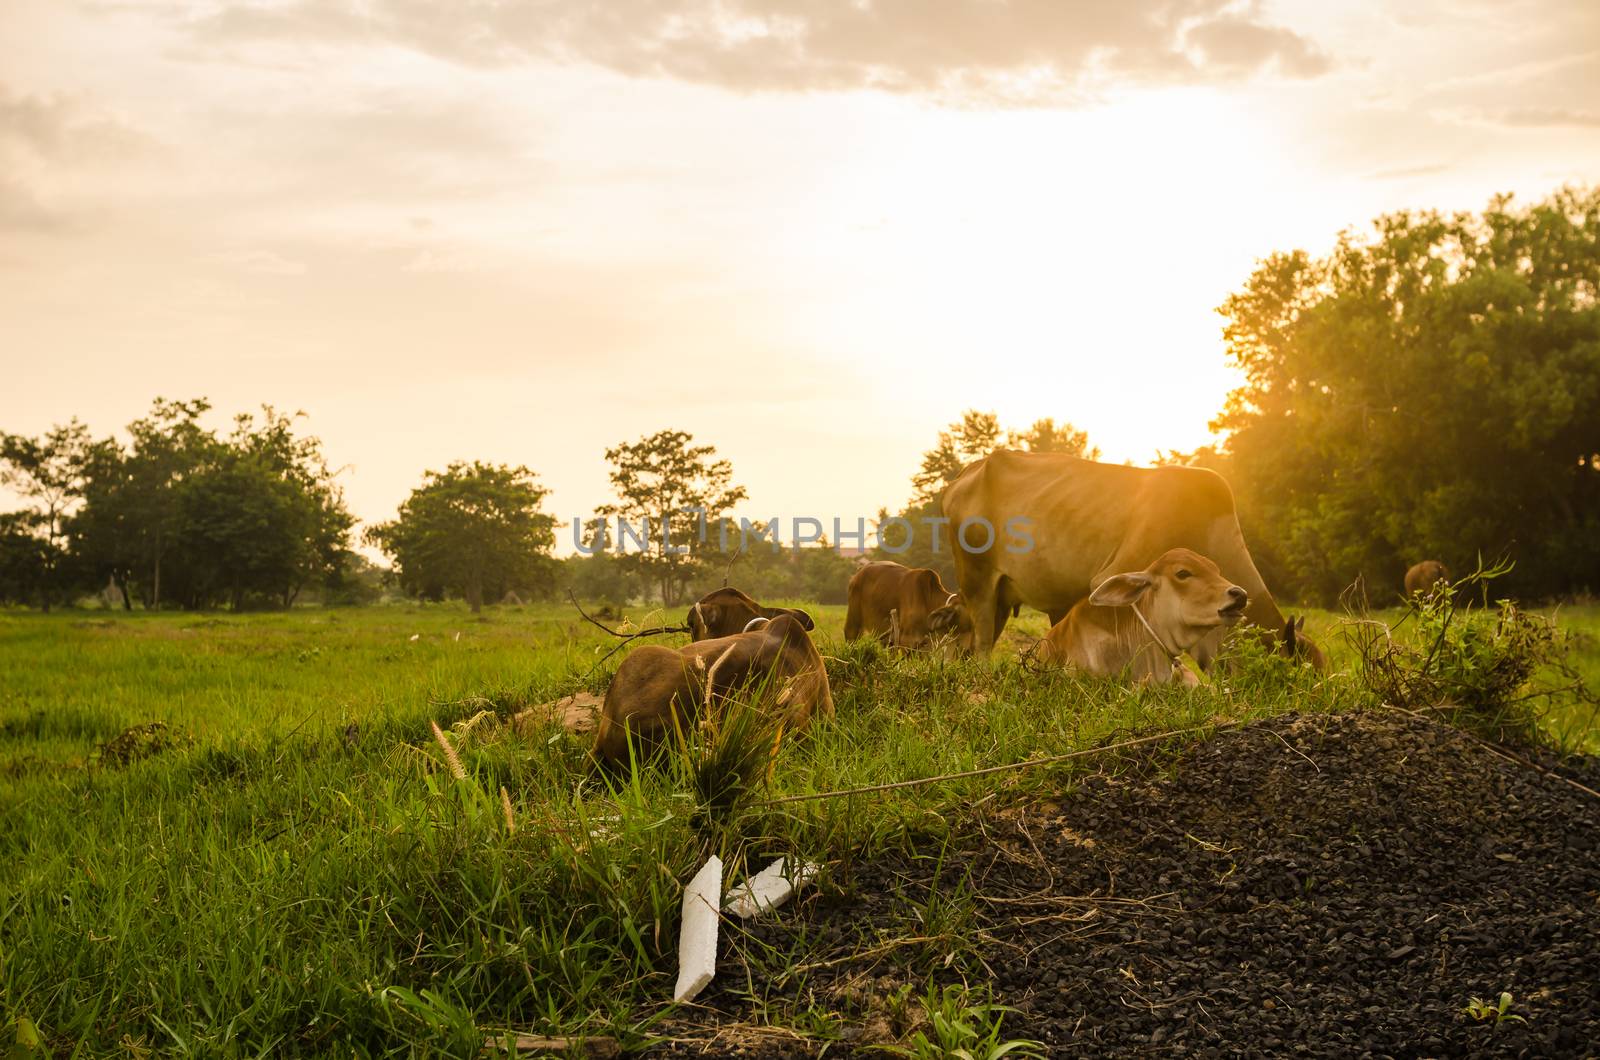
x=906 y=608
x=726 y=611
x=1138 y=623
x=773 y=660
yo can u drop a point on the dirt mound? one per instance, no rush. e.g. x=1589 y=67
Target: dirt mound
x=1309 y=885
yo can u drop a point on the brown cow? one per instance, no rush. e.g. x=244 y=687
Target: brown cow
x=1138 y=623
x=655 y=683
x=1422 y=577
x=906 y=607
x=1061 y=525
x=726 y=611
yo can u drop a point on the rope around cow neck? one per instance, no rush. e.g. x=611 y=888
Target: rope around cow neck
x=1172 y=656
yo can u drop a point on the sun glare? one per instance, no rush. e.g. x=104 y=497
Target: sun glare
x=1000 y=250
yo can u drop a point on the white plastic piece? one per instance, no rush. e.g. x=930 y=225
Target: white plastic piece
x=697 y=941
x=769 y=888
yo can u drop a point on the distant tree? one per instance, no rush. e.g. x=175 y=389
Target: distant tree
x=974 y=436
x=680 y=492
x=48 y=470
x=248 y=520
x=599 y=577
x=821 y=574
x=1427 y=391
x=24 y=558
x=475 y=529
x=128 y=526
x=358 y=582
x=317 y=521
x=1045 y=436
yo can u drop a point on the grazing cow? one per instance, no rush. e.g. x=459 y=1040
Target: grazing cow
x=906 y=608
x=655 y=683
x=724 y=612
x=1422 y=577
x=1061 y=525
x=1139 y=622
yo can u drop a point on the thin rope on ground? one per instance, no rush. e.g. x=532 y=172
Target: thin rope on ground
x=1024 y=764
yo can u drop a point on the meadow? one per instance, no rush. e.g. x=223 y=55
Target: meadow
x=285 y=864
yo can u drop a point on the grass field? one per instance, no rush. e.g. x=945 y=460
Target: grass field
x=293 y=871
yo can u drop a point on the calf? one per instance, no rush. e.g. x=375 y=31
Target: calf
x=906 y=608
x=728 y=611
x=1138 y=623
x=654 y=684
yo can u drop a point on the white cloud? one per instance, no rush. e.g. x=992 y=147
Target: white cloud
x=1018 y=51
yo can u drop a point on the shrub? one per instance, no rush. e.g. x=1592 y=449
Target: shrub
x=1495 y=670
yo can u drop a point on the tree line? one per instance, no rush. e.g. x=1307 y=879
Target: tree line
x=179 y=516
x=1427 y=389
x=183 y=517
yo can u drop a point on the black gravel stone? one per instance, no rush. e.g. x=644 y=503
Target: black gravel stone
x=1310 y=885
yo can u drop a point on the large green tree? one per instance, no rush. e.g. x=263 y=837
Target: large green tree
x=681 y=493
x=474 y=529
x=1429 y=389
x=128 y=527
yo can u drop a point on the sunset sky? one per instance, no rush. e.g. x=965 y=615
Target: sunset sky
x=810 y=233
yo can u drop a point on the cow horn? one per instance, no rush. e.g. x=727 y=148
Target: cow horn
x=756 y=623
x=952 y=599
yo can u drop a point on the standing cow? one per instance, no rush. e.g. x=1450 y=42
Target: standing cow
x=906 y=607
x=1059 y=525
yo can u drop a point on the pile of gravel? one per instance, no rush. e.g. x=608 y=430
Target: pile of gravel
x=1308 y=885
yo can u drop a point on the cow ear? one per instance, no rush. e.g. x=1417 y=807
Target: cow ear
x=804 y=619
x=710 y=616
x=1120 y=590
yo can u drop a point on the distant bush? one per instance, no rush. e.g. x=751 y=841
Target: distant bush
x=1495 y=670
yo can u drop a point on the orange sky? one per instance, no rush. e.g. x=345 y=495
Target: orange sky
x=809 y=233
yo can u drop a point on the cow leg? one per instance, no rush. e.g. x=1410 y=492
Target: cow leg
x=1002 y=612
x=983 y=601
x=852 y=618
x=979 y=583
x=1004 y=604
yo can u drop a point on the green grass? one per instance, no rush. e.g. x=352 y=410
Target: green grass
x=294 y=871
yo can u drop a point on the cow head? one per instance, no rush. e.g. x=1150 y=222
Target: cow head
x=728 y=611
x=1182 y=595
x=950 y=627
